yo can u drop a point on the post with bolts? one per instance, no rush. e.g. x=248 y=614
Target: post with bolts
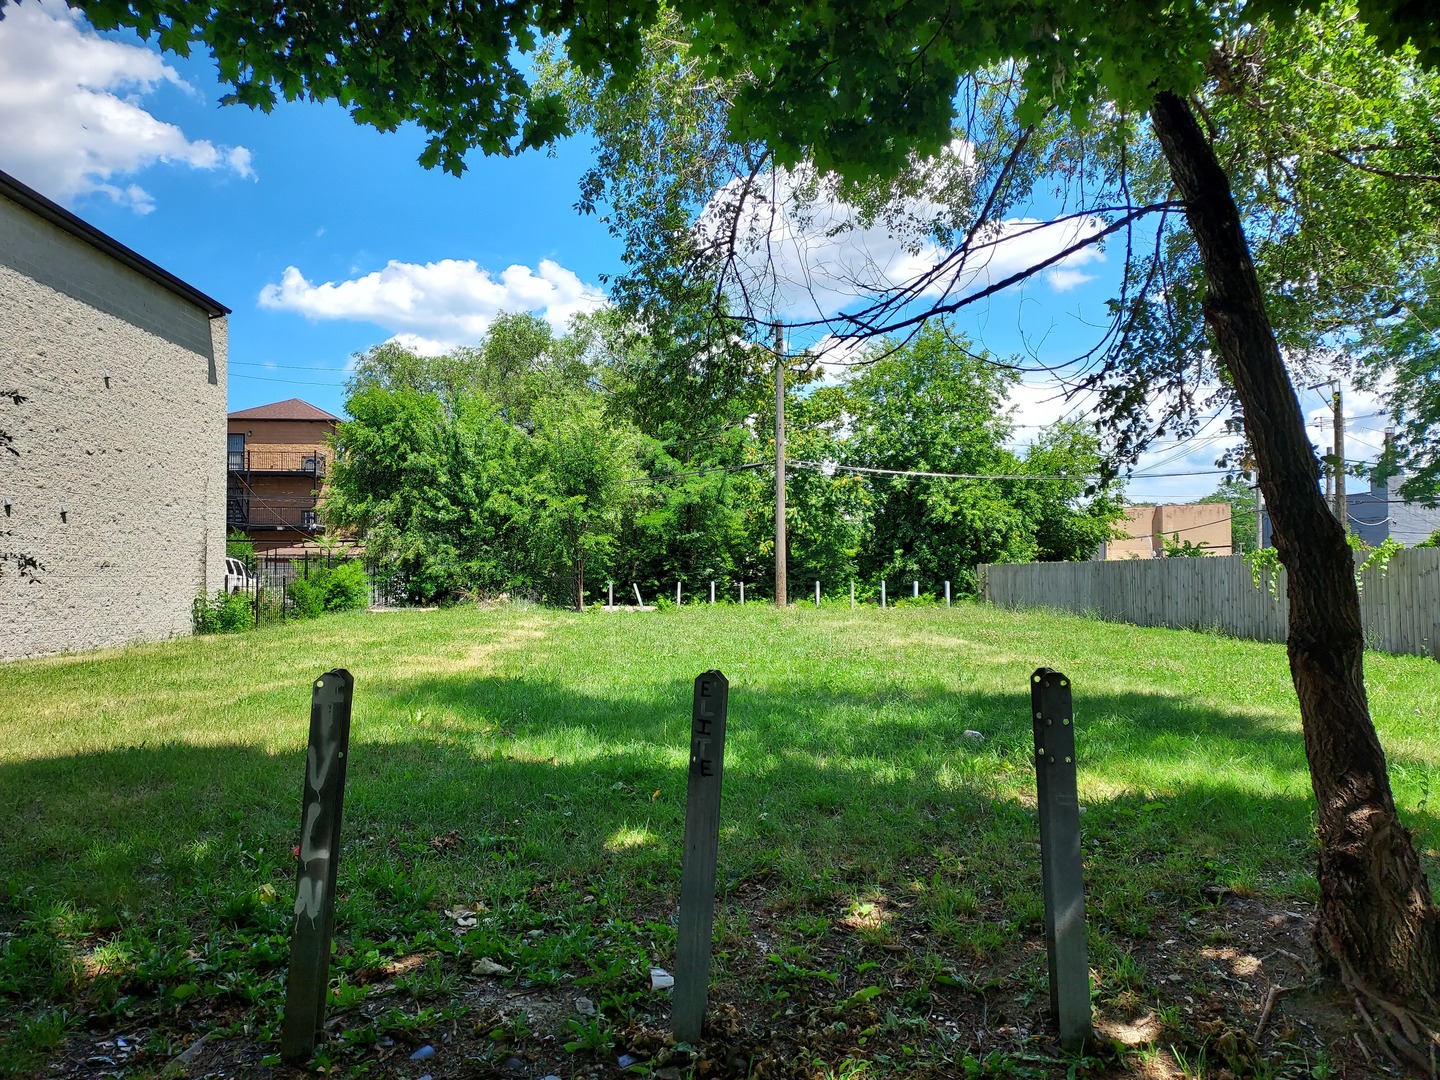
x=1062 y=883
x=318 y=861
x=698 y=860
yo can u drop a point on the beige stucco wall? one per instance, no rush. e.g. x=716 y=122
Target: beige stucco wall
x=1148 y=527
x=121 y=424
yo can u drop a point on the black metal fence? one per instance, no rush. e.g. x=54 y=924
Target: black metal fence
x=270 y=576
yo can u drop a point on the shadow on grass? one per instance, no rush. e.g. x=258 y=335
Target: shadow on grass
x=454 y=779
x=562 y=813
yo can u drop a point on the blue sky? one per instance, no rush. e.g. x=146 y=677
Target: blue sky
x=326 y=238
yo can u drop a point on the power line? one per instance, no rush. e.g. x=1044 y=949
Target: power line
x=288 y=367
x=907 y=473
x=700 y=472
x=292 y=382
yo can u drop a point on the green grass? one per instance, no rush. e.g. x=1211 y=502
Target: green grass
x=532 y=764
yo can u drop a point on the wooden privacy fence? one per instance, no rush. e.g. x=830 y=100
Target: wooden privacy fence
x=1399 y=603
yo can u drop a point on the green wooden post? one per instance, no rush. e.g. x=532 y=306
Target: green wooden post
x=1061 y=877
x=323 y=797
x=702 y=842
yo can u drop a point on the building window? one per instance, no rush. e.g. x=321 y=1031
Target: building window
x=236 y=451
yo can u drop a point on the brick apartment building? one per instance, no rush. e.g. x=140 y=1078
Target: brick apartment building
x=277 y=459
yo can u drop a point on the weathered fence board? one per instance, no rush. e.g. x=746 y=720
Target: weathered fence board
x=1397 y=602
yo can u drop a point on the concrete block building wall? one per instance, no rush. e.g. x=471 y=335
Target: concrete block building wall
x=112 y=479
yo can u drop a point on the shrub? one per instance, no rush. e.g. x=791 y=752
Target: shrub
x=340 y=587
x=225 y=613
x=347 y=588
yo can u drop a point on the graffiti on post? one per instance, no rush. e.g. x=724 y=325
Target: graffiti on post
x=318 y=863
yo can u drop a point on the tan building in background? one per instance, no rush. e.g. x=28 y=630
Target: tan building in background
x=277 y=459
x=1148 y=528
x=112 y=399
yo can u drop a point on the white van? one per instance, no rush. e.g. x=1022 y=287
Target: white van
x=236 y=579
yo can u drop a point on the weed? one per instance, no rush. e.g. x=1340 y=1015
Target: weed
x=591 y=1034
x=34 y=1038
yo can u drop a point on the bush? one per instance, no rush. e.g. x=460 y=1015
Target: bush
x=340 y=587
x=225 y=613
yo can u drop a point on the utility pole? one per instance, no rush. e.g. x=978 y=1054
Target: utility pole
x=1252 y=469
x=1341 y=509
x=780 y=543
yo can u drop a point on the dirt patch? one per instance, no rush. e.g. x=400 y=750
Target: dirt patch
x=478 y=657
x=1226 y=993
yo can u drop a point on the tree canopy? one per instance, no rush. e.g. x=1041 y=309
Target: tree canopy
x=818 y=73
x=572 y=482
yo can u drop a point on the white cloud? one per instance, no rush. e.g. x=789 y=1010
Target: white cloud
x=806 y=253
x=71 y=122
x=435 y=306
x=1065 y=279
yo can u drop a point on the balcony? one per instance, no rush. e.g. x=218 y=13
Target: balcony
x=254 y=512
x=277 y=462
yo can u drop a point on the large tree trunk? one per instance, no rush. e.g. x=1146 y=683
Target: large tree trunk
x=1377 y=927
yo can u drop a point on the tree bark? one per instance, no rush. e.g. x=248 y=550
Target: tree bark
x=1377 y=927
x=580 y=581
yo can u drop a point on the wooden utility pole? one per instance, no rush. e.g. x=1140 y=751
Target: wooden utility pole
x=780 y=544
x=1341 y=509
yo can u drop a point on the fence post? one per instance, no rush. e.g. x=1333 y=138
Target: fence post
x=916 y=591
x=1062 y=882
x=852 y=596
x=742 y=594
x=947 y=594
x=697 y=871
x=285 y=597
x=677 y=594
x=882 y=592
x=817 y=594
x=307 y=981
x=611 y=584
x=638 y=601
x=712 y=592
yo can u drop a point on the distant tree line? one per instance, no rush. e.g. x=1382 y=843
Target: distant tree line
x=544 y=464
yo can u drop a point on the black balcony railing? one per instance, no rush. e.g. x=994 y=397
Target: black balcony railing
x=246 y=511
x=294 y=462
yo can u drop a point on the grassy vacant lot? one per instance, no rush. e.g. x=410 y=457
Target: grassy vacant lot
x=524 y=771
